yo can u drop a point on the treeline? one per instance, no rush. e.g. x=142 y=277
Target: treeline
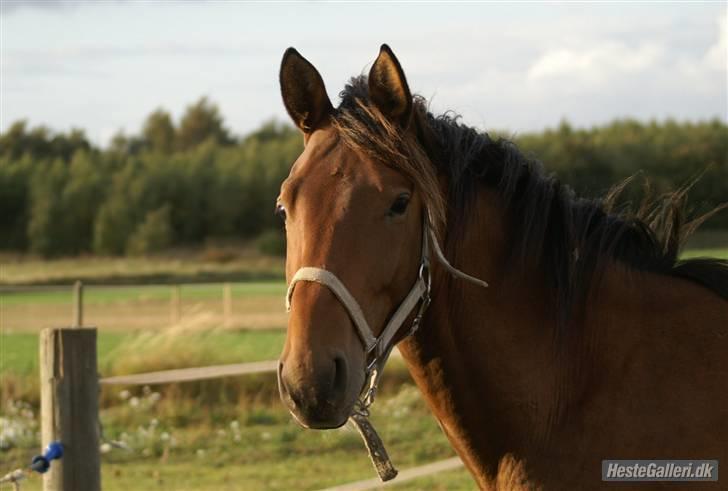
x=663 y=156
x=170 y=185
x=181 y=184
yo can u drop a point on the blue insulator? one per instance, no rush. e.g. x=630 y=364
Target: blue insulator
x=41 y=463
x=54 y=451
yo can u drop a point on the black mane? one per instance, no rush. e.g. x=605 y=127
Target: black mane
x=568 y=236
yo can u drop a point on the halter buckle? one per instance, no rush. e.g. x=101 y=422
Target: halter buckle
x=424 y=274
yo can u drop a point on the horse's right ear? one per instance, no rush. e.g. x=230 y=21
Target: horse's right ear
x=388 y=87
x=303 y=91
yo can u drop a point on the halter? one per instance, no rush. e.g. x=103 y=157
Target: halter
x=378 y=348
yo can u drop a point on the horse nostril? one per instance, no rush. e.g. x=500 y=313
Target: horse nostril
x=282 y=386
x=340 y=375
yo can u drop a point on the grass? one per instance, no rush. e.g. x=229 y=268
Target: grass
x=116 y=350
x=721 y=253
x=19 y=351
x=223 y=434
x=255 y=447
x=105 y=295
x=227 y=433
x=137 y=352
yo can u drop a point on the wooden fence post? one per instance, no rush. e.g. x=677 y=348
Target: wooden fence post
x=70 y=407
x=77 y=305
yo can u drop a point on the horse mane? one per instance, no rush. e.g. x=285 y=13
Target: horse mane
x=571 y=238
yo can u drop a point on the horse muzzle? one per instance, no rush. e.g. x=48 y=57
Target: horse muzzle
x=318 y=397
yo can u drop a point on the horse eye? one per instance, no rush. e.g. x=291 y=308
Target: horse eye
x=400 y=205
x=281 y=211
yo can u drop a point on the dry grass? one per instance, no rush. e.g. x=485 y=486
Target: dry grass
x=244 y=264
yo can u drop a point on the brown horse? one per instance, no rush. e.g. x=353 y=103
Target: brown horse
x=593 y=341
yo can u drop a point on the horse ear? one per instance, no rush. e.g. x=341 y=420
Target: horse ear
x=388 y=88
x=303 y=91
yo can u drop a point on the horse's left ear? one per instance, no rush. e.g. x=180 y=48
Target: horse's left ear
x=303 y=91
x=388 y=88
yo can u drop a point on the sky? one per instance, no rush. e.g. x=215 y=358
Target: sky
x=103 y=66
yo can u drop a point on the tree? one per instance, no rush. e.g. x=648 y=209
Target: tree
x=122 y=145
x=154 y=234
x=41 y=143
x=46 y=227
x=159 y=132
x=202 y=121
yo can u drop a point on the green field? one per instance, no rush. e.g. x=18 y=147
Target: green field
x=221 y=434
x=226 y=433
x=180 y=444
x=19 y=351
x=718 y=252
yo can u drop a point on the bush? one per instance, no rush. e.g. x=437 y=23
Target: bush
x=272 y=242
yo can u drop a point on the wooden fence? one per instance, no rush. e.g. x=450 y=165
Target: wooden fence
x=70 y=411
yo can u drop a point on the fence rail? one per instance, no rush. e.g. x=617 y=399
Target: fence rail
x=190 y=374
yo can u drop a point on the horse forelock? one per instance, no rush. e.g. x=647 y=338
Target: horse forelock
x=365 y=129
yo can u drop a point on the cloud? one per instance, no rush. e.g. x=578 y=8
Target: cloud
x=593 y=64
x=716 y=57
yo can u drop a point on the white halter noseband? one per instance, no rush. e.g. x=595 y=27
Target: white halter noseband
x=379 y=347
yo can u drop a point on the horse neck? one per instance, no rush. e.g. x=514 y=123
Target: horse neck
x=483 y=358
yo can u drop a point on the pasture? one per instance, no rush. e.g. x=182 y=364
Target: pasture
x=220 y=434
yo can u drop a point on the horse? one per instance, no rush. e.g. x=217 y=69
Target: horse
x=592 y=341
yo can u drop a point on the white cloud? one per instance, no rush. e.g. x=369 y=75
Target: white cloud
x=595 y=64
x=716 y=57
